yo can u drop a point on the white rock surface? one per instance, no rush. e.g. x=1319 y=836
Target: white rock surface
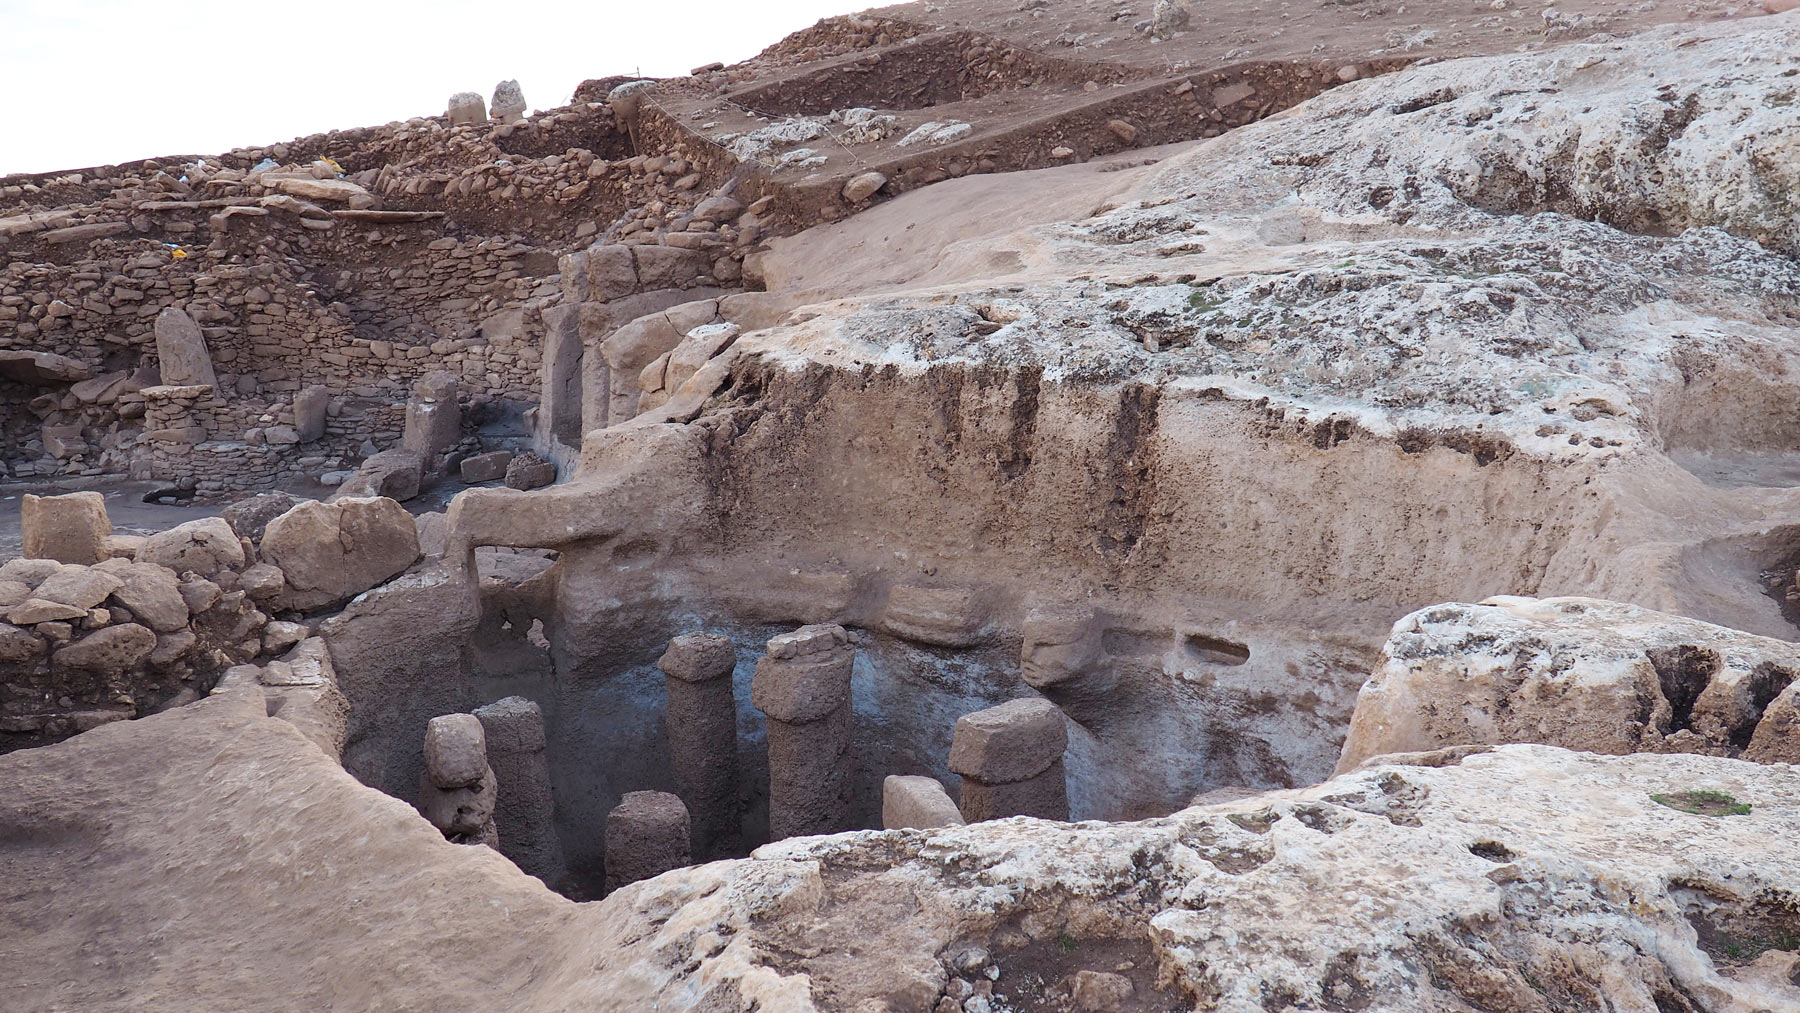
x=1573 y=672
x=1495 y=882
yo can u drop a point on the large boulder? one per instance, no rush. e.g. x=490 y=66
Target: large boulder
x=1573 y=672
x=248 y=517
x=332 y=552
x=395 y=474
x=204 y=546
x=83 y=587
x=151 y=592
x=71 y=528
x=110 y=651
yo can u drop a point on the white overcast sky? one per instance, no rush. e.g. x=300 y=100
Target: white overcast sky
x=97 y=82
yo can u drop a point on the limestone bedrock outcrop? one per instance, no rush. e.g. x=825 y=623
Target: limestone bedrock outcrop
x=1430 y=882
x=1578 y=673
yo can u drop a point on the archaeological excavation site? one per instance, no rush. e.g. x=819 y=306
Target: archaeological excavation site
x=984 y=507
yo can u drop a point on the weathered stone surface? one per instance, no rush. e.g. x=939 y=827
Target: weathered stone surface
x=249 y=517
x=331 y=552
x=1012 y=742
x=81 y=586
x=455 y=750
x=42 y=369
x=1573 y=672
x=112 y=650
x=646 y=835
x=153 y=594
x=486 y=467
x=310 y=407
x=529 y=471
x=909 y=801
x=29 y=571
x=205 y=546
x=525 y=814
x=71 y=528
x=1450 y=844
x=262 y=581
x=181 y=350
x=18 y=645
x=699 y=657
x=395 y=474
x=466 y=107
x=37 y=610
x=862 y=187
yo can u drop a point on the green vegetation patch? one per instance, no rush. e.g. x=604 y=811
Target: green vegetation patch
x=1702 y=803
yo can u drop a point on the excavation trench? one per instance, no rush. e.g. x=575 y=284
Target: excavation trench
x=1200 y=586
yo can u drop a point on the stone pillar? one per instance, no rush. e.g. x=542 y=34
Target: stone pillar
x=1011 y=761
x=433 y=424
x=309 y=413
x=646 y=835
x=509 y=102
x=466 y=107
x=72 y=528
x=803 y=687
x=181 y=350
x=526 y=813
x=1063 y=656
x=916 y=802
x=457 y=787
x=702 y=723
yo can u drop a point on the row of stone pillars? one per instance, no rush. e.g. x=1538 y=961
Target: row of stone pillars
x=1010 y=757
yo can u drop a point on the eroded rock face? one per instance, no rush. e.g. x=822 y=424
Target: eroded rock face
x=1213 y=908
x=1578 y=673
x=332 y=552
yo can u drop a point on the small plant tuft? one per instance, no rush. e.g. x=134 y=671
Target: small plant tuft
x=1065 y=942
x=1702 y=803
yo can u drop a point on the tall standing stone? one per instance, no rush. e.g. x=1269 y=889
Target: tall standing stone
x=526 y=811
x=433 y=422
x=646 y=835
x=181 y=350
x=509 y=102
x=457 y=786
x=71 y=528
x=803 y=687
x=1011 y=761
x=309 y=413
x=702 y=724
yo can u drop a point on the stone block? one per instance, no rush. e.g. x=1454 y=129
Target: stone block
x=805 y=676
x=395 y=474
x=111 y=651
x=908 y=801
x=250 y=517
x=529 y=471
x=699 y=657
x=646 y=835
x=332 y=552
x=1012 y=742
x=310 y=407
x=71 y=528
x=181 y=350
x=466 y=107
x=455 y=750
x=486 y=467
x=204 y=546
